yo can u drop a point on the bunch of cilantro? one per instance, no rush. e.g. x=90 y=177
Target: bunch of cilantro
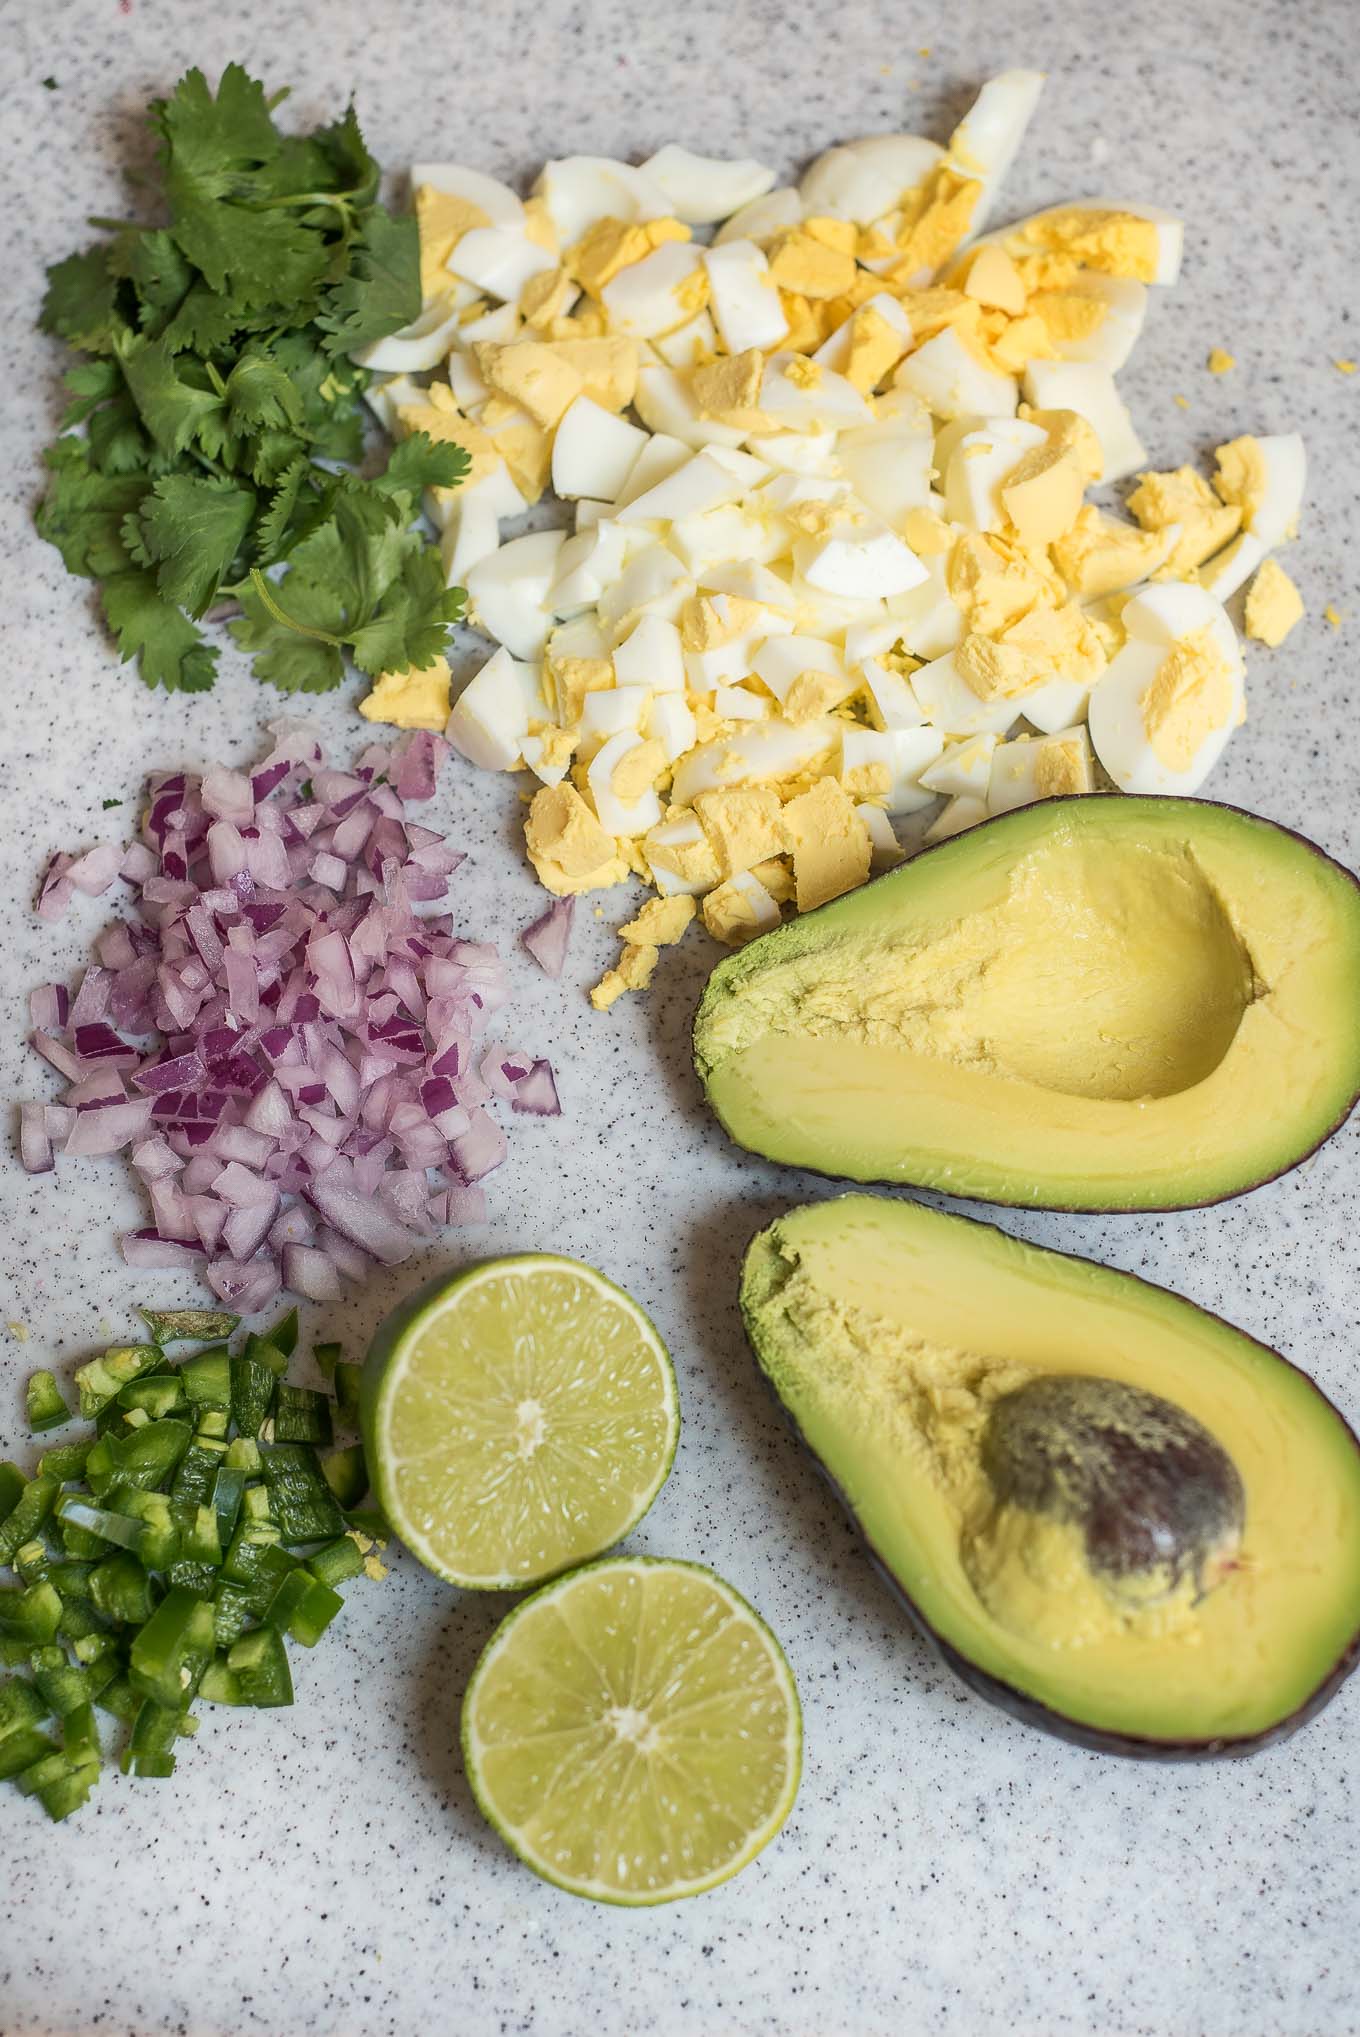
x=208 y=448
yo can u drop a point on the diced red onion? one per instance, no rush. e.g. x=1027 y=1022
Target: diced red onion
x=309 y=1272
x=35 y=1142
x=149 y=1249
x=301 y=1044
x=546 y=940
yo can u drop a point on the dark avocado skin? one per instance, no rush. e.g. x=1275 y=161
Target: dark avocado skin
x=1079 y=1209
x=1032 y=1711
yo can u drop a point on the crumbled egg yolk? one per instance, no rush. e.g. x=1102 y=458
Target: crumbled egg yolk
x=1189 y=698
x=1031 y=597
x=1220 y=361
x=411 y=700
x=1273 y=606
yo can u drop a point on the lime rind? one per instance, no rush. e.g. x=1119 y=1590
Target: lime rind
x=386 y=1367
x=756 y=1840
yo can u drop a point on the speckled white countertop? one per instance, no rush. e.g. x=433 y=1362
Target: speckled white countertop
x=944 y=1870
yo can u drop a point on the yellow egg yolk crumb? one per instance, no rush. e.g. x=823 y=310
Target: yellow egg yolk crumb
x=1274 y=605
x=410 y=700
x=1190 y=697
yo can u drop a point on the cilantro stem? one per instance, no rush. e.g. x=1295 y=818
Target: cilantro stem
x=116 y=225
x=280 y=615
x=215 y=378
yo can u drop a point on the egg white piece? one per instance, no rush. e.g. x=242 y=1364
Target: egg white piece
x=620 y=816
x=930 y=621
x=738 y=703
x=987 y=139
x=470 y=392
x=1156 y=619
x=796 y=452
x=651 y=655
x=702 y=483
x=903 y=753
x=763 y=906
x=891 y=475
x=418 y=346
x=951 y=704
x=961 y=814
x=768 y=749
x=894 y=700
x=704 y=189
x=1231 y=568
x=665 y=403
x=835 y=351
x=495 y=199
x=952 y=382
x=764 y=217
x=644 y=298
x=608 y=711
x=1113 y=340
x=1087 y=388
x=1276 y=516
x=579 y=190
x=861 y=558
x=863 y=180
x=750 y=579
x=502 y=324
x=779 y=660
x=832 y=405
x=659 y=455
x=709 y=541
x=587 y=564
x=510 y=591
x=685 y=346
x=1056 y=705
x=963 y=770
x=499 y=260
x=384 y=399
x=654 y=582
x=468 y=537
x=1170 y=229
x=670 y=719
x=685 y=833
x=1013 y=780
x=491 y=716
x=593 y=451
x=883 y=843
x=978 y=465
x=745 y=304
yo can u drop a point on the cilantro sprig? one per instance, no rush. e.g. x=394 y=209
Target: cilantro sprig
x=215 y=420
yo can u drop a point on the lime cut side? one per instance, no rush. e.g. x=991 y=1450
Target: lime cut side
x=520 y=1419
x=633 y=1731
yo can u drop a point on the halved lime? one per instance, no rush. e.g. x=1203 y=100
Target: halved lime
x=518 y=1418
x=633 y=1731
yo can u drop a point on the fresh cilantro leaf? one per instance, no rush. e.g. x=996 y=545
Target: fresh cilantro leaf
x=412 y=622
x=107 y=803
x=283 y=655
x=50 y=85
x=381 y=293
x=259 y=394
x=215 y=141
x=418 y=463
x=352 y=167
x=172 y=409
x=204 y=323
x=157 y=271
x=271 y=532
x=90 y=383
x=81 y=301
x=193 y=526
x=170 y=650
x=117 y=443
x=82 y=512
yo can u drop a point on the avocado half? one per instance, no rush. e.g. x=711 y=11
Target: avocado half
x=1112 y=1514
x=1105 y=1003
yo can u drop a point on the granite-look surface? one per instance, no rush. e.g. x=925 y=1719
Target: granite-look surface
x=945 y=1870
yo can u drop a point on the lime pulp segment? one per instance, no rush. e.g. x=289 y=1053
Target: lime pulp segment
x=523 y=1417
x=633 y=1731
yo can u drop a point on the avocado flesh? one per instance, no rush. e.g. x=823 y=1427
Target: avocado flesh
x=893 y=1335
x=1098 y=1003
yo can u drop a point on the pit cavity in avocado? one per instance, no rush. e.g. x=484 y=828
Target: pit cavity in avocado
x=1112 y=1513
x=1101 y=1003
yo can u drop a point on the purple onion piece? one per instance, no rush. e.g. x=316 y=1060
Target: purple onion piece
x=547 y=939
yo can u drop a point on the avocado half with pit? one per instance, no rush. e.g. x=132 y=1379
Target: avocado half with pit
x=1106 y=1003
x=1113 y=1514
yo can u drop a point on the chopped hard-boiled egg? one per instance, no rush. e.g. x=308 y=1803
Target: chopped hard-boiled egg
x=828 y=452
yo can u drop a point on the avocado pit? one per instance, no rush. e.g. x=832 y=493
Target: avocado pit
x=1100 y=1490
